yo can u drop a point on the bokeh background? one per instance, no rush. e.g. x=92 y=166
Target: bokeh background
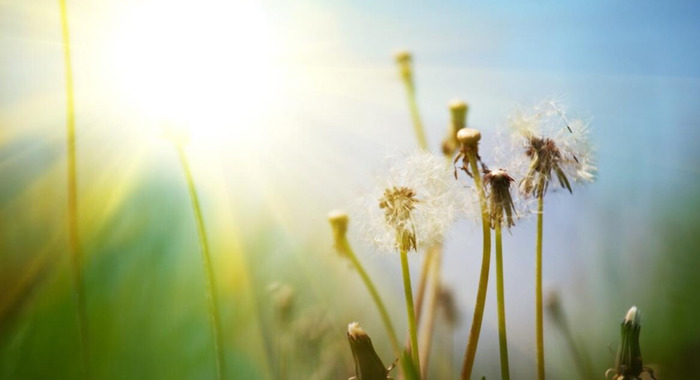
x=291 y=108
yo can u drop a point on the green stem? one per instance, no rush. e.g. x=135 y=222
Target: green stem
x=415 y=115
x=429 y=326
x=347 y=250
x=500 y=295
x=208 y=266
x=73 y=235
x=411 y=313
x=475 y=330
x=538 y=290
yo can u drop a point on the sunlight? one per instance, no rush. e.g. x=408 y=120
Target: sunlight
x=208 y=67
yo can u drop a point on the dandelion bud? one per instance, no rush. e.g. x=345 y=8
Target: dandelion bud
x=446 y=302
x=628 y=364
x=469 y=137
x=282 y=300
x=339 y=224
x=368 y=365
x=458 y=111
x=404 y=59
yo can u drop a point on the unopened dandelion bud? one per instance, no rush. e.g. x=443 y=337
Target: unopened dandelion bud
x=339 y=224
x=368 y=365
x=628 y=363
x=553 y=305
x=282 y=300
x=458 y=112
x=404 y=59
x=446 y=302
x=469 y=136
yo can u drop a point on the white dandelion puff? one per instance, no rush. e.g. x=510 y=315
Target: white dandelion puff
x=413 y=204
x=555 y=144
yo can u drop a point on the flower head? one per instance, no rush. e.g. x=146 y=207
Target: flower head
x=413 y=205
x=404 y=60
x=555 y=145
x=458 y=116
x=497 y=183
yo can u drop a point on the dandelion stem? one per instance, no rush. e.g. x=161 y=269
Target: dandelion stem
x=475 y=330
x=420 y=291
x=503 y=343
x=539 y=329
x=344 y=245
x=208 y=266
x=73 y=235
x=415 y=115
x=411 y=313
x=429 y=327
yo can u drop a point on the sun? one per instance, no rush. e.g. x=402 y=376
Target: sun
x=207 y=65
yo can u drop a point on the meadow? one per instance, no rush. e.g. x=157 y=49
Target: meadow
x=311 y=190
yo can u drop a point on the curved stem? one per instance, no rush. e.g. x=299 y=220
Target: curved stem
x=208 y=267
x=73 y=235
x=475 y=330
x=347 y=250
x=539 y=328
x=500 y=295
x=411 y=313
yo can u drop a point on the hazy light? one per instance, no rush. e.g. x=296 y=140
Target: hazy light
x=206 y=65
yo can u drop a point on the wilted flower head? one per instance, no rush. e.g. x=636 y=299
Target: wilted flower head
x=497 y=184
x=554 y=144
x=413 y=205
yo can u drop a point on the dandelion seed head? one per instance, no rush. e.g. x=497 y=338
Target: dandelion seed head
x=413 y=204
x=555 y=144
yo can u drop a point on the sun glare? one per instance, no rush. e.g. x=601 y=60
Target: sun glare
x=207 y=67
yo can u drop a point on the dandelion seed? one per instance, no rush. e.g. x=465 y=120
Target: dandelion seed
x=414 y=204
x=556 y=146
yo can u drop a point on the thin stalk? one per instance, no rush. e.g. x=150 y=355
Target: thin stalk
x=420 y=291
x=539 y=328
x=429 y=327
x=500 y=295
x=415 y=115
x=212 y=297
x=411 y=313
x=475 y=330
x=73 y=234
x=348 y=251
